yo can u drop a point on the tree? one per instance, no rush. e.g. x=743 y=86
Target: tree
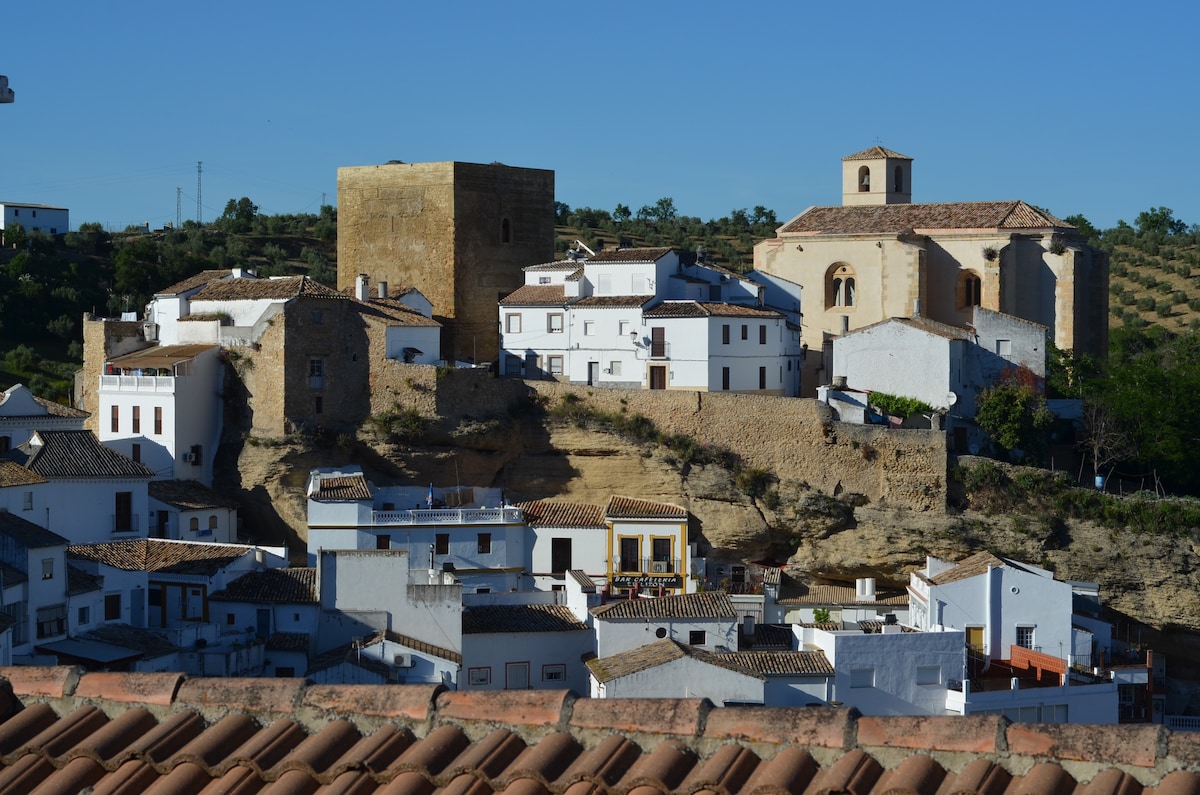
x=1159 y=220
x=561 y=211
x=1089 y=232
x=621 y=213
x=14 y=235
x=1014 y=412
x=1106 y=439
x=238 y=216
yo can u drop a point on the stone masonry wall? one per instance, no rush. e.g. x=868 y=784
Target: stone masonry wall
x=102 y=340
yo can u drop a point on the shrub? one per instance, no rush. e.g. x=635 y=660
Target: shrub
x=897 y=406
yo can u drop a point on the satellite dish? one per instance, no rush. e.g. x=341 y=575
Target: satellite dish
x=951 y=398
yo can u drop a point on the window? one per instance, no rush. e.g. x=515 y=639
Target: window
x=479 y=676
x=554 y=673
x=745 y=332
x=862 y=677
x=725 y=378
x=762 y=335
x=1004 y=347
x=137 y=419
x=194 y=524
x=316 y=367
x=898 y=180
x=51 y=621
x=123 y=513
x=658 y=341
x=506 y=231
x=631 y=554
x=762 y=378
x=660 y=555
x=383 y=541
x=158 y=420
x=512 y=364
x=512 y=323
x=85 y=615
x=441 y=544
x=318 y=317
x=230 y=619
x=27 y=501
x=212 y=522
x=5 y=444
x=614 y=367
x=840 y=287
x=929 y=674
x=543 y=280
x=484 y=546
x=725 y=334
x=589 y=328
x=555 y=364
x=1025 y=637
x=864 y=179
x=560 y=555
x=112 y=607
x=697 y=637
x=624 y=328
x=47 y=568
x=970 y=289
x=554 y=323
x=114 y=423
x=318 y=404
x=285 y=672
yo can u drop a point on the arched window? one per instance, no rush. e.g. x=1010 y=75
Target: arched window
x=194 y=524
x=840 y=290
x=864 y=179
x=506 y=231
x=898 y=180
x=970 y=290
x=212 y=522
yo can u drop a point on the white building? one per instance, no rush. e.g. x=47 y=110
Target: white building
x=92 y=493
x=280 y=604
x=523 y=646
x=706 y=620
x=34 y=587
x=564 y=537
x=187 y=510
x=798 y=602
x=39 y=217
x=22 y=413
x=160 y=406
x=597 y=319
x=387 y=658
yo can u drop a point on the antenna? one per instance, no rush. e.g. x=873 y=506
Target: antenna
x=178 y=208
x=199 y=169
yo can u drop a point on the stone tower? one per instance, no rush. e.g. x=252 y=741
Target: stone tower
x=458 y=232
x=876 y=176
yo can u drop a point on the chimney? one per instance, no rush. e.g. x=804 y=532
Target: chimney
x=382 y=288
x=360 y=287
x=864 y=589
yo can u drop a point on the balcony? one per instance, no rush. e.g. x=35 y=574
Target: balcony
x=448 y=516
x=649 y=566
x=125 y=523
x=660 y=350
x=162 y=384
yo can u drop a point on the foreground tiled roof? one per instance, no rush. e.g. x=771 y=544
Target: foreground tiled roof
x=272 y=586
x=536 y=295
x=543 y=513
x=519 y=618
x=188 y=495
x=651 y=655
x=152 y=554
x=281 y=289
x=631 y=508
x=61 y=731
x=76 y=454
x=710 y=604
x=709 y=309
x=898 y=218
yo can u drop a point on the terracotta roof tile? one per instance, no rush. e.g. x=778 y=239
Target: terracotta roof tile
x=892 y=219
x=422 y=646
x=968 y=567
x=632 y=508
x=160 y=357
x=27 y=534
x=543 y=513
x=874 y=153
x=272 y=586
x=282 y=289
x=756 y=664
x=189 y=495
x=709 y=604
x=793 y=591
x=193 y=282
x=614 y=301
x=59 y=410
x=570 y=265
x=537 y=295
x=779 y=663
x=630 y=255
x=395 y=313
x=153 y=554
x=75 y=454
x=78 y=581
x=289 y=641
x=519 y=618
x=341 y=488
x=153 y=733
x=709 y=309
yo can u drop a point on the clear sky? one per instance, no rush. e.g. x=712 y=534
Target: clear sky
x=1076 y=107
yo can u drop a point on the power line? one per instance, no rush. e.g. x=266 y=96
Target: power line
x=199 y=169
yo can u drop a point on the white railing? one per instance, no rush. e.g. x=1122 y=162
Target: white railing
x=431 y=516
x=1182 y=723
x=138 y=383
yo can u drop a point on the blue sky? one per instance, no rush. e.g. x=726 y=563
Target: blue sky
x=1076 y=107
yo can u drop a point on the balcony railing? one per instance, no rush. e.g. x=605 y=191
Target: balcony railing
x=660 y=350
x=649 y=566
x=445 y=516
x=137 y=383
x=125 y=522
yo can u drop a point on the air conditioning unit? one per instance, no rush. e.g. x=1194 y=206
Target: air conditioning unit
x=402 y=660
x=661 y=567
x=189 y=458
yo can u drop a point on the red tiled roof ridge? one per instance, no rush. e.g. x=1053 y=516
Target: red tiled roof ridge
x=264 y=729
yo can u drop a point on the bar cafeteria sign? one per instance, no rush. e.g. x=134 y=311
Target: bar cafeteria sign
x=645 y=581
